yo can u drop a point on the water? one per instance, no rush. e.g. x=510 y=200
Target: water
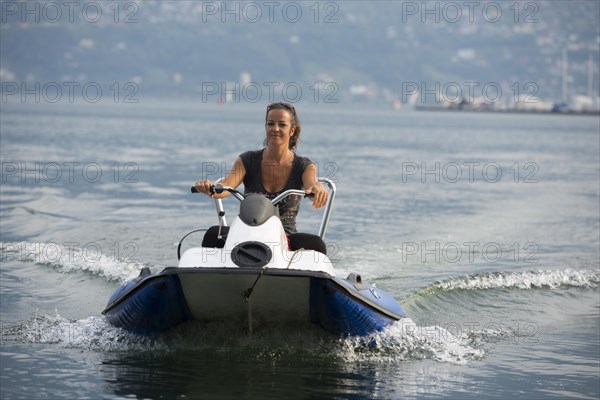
x=485 y=227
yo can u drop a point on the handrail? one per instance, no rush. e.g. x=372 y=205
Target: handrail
x=183 y=238
x=328 y=206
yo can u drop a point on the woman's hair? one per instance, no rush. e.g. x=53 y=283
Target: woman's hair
x=295 y=122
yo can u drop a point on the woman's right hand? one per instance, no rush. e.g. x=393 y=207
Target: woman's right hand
x=203 y=186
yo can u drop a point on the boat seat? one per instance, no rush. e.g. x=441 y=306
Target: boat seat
x=306 y=241
x=211 y=237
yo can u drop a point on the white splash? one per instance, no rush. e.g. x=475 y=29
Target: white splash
x=67 y=258
x=402 y=341
x=551 y=279
x=405 y=340
x=92 y=333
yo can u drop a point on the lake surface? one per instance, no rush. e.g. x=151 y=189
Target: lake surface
x=484 y=226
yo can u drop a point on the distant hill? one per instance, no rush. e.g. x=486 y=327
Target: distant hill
x=355 y=50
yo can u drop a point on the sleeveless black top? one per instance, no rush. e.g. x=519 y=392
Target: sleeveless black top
x=288 y=208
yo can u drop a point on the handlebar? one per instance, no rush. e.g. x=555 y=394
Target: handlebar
x=290 y=192
x=213 y=189
x=240 y=197
x=218 y=189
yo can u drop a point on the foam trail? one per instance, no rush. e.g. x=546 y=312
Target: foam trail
x=70 y=259
x=402 y=341
x=94 y=333
x=536 y=279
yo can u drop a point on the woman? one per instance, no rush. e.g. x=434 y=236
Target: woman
x=276 y=168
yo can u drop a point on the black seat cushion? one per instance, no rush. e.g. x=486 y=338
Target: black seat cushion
x=211 y=237
x=307 y=241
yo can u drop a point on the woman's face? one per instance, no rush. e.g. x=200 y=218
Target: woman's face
x=279 y=127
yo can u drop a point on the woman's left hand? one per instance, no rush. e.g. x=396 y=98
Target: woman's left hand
x=320 y=195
